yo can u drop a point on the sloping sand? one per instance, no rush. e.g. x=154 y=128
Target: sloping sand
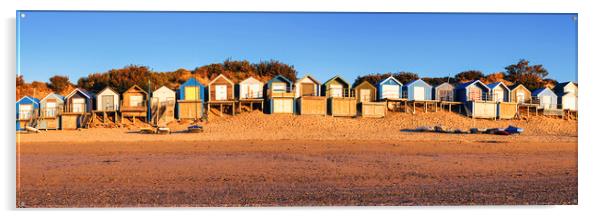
x=395 y=126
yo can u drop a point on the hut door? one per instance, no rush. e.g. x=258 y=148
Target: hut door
x=474 y=94
x=569 y=102
x=221 y=92
x=546 y=101
x=520 y=97
x=108 y=102
x=78 y=105
x=418 y=93
x=390 y=91
x=254 y=91
x=307 y=89
x=365 y=95
x=25 y=111
x=336 y=90
x=498 y=95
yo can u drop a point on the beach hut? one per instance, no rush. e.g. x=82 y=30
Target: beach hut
x=190 y=99
x=250 y=91
x=547 y=99
x=444 y=92
x=365 y=92
x=163 y=102
x=499 y=92
x=134 y=104
x=366 y=96
x=280 y=95
x=519 y=94
x=567 y=95
x=77 y=111
x=418 y=90
x=340 y=101
x=107 y=100
x=51 y=107
x=309 y=101
x=250 y=88
x=389 y=88
x=107 y=105
x=471 y=91
x=474 y=95
x=221 y=93
x=27 y=112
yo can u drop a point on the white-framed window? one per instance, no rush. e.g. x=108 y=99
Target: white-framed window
x=50 y=109
x=25 y=111
x=136 y=101
x=78 y=105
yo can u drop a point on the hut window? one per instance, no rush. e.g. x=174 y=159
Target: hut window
x=25 y=111
x=474 y=93
x=365 y=95
x=221 y=92
x=520 y=97
x=336 y=90
x=446 y=95
x=279 y=88
x=51 y=109
x=390 y=91
x=78 y=105
x=191 y=93
x=136 y=101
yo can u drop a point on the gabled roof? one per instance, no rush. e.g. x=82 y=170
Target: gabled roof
x=80 y=90
x=414 y=81
x=365 y=82
x=107 y=88
x=559 y=88
x=516 y=85
x=164 y=87
x=53 y=94
x=540 y=90
x=464 y=85
x=444 y=83
x=280 y=77
x=335 y=78
x=137 y=87
x=390 y=78
x=496 y=84
x=32 y=99
x=221 y=76
x=251 y=78
x=310 y=78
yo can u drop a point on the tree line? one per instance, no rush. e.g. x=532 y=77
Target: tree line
x=532 y=76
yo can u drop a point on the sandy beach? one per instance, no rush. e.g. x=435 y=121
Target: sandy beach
x=254 y=159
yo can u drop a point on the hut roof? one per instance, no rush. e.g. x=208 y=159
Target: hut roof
x=136 y=87
x=310 y=78
x=222 y=76
x=442 y=84
x=335 y=78
x=390 y=78
x=365 y=82
x=516 y=85
x=559 y=88
x=416 y=81
x=496 y=84
x=52 y=94
x=250 y=79
x=540 y=90
x=280 y=77
x=107 y=88
x=465 y=85
x=32 y=99
x=80 y=90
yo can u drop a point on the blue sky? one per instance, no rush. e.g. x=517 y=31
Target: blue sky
x=322 y=44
